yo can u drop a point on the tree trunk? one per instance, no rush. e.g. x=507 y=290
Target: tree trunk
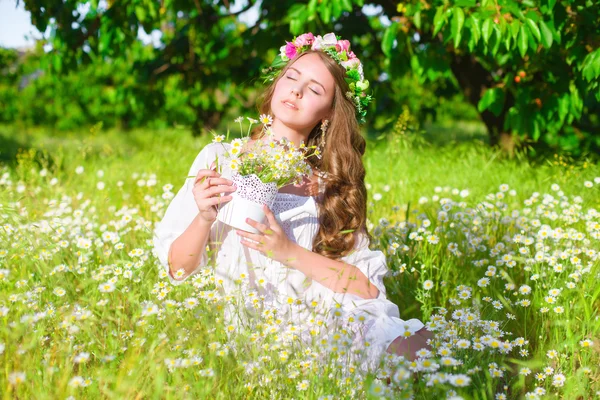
x=474 y=79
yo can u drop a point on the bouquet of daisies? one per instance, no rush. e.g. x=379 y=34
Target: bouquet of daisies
x=259 y=169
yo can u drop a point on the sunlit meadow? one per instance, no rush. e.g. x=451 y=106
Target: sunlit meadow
x=499 y=257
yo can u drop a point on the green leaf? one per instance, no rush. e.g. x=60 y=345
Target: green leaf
x=465 y=3
x=514 y=29
x=312 y=6
x=475 y=27
x=522 y=41
x=140 y=13
x=417 y=19
x=590 y=67
x=492 y=100
x=347 y=5
x=295 y=26
x=563 y=107
x=533 y=28
x=439 y=19
x=458 y=20
x=325 y=11
x=389 y=36
x=487 y=29
x=497 y=41
x=336 y=8
x=507 y=42
x=546 y=35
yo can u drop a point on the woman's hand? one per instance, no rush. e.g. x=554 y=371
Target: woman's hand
x=208 y=187
x=271 y=239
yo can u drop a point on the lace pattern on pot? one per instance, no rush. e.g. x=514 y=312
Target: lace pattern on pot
x=250 y=187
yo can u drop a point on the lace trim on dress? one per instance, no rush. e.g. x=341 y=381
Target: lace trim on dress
x=288 y=201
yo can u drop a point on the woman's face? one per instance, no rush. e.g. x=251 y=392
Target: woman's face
x=304 y=94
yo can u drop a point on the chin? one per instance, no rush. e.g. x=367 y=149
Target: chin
x=285 y=115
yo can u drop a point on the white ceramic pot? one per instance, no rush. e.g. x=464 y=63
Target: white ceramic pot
x=247 y=202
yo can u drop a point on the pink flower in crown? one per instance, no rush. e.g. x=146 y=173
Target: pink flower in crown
x=342 y=45
x=305 y=39
x=351 y=54
x=290 y=50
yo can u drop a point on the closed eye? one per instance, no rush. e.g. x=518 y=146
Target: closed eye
x=312 y=90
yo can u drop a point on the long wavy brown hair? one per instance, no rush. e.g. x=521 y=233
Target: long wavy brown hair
x=343 y=206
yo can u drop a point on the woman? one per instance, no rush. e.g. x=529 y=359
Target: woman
x=306 y=260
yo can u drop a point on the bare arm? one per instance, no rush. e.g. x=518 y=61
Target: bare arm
x=338 y=276
x=186 y=251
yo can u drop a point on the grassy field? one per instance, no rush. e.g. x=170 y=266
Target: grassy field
x=500 y=256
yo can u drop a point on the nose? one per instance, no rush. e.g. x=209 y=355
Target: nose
x=295 y=92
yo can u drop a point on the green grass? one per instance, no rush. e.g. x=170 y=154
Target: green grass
x=47 y=217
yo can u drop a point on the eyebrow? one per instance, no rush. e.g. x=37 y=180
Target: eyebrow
x=312 y=80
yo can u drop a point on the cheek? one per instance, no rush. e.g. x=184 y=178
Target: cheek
x=281 y=87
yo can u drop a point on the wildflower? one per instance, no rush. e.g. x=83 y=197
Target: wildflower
x=81 y=357
x=524 y=371
x=464 y=294
x=428 y=284
x=302 y=385
x=107 y=287
x=60 y=292
x=16 y=377
x=558 y=380
x=525 y=289
x=586 y=343
x=460 y=380
x=377 y=388
x=266 y=119
x=76 y=381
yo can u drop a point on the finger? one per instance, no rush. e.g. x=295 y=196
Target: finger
x=218 y=200
x=205 y=173
x=214 y=182
x=270 y=217
x=255 y=224
x=214 y=190
x=250 y=244
x=249 y=235
x=212 y=193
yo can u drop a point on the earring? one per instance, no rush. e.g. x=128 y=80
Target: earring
x=324 y=125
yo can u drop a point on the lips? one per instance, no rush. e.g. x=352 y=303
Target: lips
x=290 y=104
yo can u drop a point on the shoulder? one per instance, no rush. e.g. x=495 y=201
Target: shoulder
x=215 y=149
x=210 y=153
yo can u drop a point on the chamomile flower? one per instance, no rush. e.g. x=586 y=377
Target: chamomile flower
x=266 y=119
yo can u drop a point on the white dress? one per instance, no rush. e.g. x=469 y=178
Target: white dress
x=376 y=321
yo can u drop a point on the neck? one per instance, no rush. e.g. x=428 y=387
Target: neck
x=295 y=136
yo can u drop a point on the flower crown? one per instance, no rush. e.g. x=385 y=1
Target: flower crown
x=337 y=49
